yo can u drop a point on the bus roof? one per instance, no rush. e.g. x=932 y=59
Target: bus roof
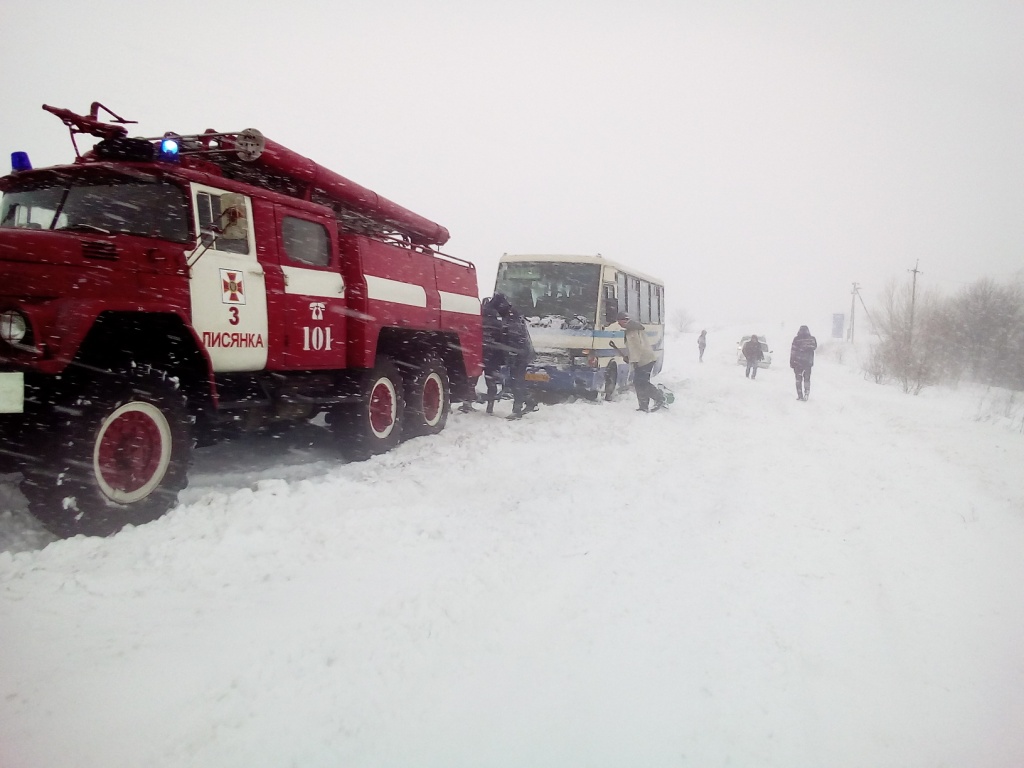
x=581 y=259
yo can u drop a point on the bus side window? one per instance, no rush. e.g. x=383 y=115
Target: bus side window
x=623 y=292
x=611 y=304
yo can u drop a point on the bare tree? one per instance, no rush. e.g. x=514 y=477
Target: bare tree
x=977 y=334
x=909 y=338
x=682 y=320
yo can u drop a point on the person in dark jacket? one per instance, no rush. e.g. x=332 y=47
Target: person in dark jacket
x=494 y=313
x=702 y=341
x=754 y=354
x=520 y=355
x=801 y=360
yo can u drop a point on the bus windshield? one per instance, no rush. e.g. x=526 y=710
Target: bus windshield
x=544 y=288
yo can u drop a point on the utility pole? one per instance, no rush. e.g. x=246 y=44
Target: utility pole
x=853 y=304
x=863 y=306
x=913 y=298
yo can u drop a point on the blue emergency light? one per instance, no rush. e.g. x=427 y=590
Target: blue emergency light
x=169 y=149
x=20 y=161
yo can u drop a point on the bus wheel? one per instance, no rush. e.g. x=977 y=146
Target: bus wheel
x=374 y=424
x=428 y=400
x=116 y=455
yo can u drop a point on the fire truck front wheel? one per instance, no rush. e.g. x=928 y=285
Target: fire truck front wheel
x=428 y=400
x=116 y=455
x=374 y=424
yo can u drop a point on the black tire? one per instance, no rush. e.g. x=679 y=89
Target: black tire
x=374 y=424
x=428 y=400
x=117 y=453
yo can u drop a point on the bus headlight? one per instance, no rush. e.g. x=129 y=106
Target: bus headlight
x=13 y=326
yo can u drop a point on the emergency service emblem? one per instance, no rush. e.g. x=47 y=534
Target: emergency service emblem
x=232 y=290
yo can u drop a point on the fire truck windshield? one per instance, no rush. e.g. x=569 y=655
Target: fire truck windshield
x=108 y=205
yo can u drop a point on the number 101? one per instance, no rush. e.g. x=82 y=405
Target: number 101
x=318 y=339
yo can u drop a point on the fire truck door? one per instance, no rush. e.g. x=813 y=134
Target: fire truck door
x=227 y=283
x=314 y=290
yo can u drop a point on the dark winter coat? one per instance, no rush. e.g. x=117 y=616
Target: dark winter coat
x=752 y=350
x=495 y=332
x=801 y=354
x=520 y=345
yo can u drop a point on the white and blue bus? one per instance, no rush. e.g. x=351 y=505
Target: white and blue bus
x=571 y=304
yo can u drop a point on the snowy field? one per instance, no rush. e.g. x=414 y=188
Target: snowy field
x=745 y=580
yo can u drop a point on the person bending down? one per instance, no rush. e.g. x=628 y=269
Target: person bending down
x=639 y=353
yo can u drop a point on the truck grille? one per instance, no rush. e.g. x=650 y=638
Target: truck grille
x=97 y=249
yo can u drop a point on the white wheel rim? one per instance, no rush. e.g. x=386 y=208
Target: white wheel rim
x=383 y=408
x=436 y=408
x=135 y=438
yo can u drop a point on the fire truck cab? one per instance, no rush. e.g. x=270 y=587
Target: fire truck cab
x=157 y=291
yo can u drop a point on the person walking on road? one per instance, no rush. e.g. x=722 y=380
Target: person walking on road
x=702 y=341
x=801 y=360
x=638 y=352
x=754 y=355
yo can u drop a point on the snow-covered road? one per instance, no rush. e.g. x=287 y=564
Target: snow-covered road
x=744 y=580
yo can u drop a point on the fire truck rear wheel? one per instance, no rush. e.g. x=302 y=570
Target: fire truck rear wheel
x=116 y=455
x=373 y=425
x=428 y=400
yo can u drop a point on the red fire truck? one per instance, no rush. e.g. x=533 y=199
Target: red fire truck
x=158 y=291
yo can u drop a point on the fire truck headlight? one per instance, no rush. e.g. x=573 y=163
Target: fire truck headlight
x=13 y=326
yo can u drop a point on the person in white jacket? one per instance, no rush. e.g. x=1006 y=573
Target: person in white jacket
x=638 y=352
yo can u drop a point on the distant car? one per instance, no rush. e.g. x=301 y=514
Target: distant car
x=741 y=360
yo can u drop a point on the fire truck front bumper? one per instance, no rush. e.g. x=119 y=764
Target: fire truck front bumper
x=12 y=392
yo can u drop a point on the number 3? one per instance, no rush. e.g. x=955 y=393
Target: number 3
x=233 y=311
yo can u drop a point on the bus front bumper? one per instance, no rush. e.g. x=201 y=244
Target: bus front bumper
x=551 y=378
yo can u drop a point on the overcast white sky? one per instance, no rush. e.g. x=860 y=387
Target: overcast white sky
x=759 y=156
